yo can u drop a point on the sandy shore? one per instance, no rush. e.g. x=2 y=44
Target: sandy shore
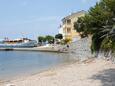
x=90 y=73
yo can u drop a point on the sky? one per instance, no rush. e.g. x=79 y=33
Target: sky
x=32 y=18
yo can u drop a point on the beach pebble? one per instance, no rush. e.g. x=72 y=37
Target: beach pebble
x=10 y=85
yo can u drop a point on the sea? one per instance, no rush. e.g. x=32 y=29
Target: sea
x=15 y=64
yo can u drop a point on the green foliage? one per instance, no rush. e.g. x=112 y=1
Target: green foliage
x=83 y=25
x=59 y=36
x=44 y=39
x=106 y=44
x=100 y=23
x=49 y=39
x=96 y=42
x=41 y=39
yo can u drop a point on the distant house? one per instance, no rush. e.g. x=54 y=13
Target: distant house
x=67 y=26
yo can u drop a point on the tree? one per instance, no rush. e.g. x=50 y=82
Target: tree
x=59 y=36
x=41 y=39
x=49 y=39
x=99 y=22
x=81 y=26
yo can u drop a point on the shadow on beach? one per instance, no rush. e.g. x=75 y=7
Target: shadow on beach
x=107 y=77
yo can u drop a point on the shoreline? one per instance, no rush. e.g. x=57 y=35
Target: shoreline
x=74 y=74
x=62 y=65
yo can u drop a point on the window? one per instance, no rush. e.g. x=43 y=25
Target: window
x=68 y=21
x=68 y=30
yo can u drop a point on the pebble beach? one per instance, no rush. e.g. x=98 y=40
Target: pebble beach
x=92 y=72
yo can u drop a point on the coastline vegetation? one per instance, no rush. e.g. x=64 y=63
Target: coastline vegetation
x=99 y=22
x=59 y=36
x=48 y=39
x=43 y=39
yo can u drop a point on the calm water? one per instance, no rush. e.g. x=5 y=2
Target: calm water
x=16 y=63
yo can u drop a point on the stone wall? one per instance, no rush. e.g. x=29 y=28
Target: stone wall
x=81 y=49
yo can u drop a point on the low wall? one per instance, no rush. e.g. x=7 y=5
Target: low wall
x=81 y=49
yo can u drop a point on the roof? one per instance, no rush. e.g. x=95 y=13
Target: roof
x=74 y=14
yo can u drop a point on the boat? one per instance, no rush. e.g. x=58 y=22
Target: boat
x=18 y=43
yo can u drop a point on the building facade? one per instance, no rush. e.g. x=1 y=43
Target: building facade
x=67 y=26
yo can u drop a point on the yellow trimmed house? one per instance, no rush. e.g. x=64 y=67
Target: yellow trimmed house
x=67 y=26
